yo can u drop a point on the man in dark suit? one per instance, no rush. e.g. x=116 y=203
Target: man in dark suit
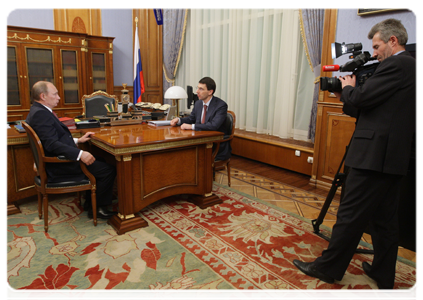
x=57 y=140
x=378 y=157
x=208 y=114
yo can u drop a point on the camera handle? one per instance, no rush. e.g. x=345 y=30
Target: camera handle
x=337 y=182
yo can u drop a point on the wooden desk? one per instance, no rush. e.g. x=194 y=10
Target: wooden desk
x=153 y=163
x=20 y=174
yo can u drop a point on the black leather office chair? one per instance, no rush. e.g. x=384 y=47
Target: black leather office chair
x=93 y=105
x=44 y=187
x=228 y=137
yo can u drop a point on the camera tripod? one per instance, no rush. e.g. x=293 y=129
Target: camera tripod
x=337 y=182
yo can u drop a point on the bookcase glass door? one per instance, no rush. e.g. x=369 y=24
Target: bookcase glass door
x=40 y=65
x=99 y=71
x=70 y=76
x=13 y=97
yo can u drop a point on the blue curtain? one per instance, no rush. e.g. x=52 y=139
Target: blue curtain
x=312 y=32
x=174 y=24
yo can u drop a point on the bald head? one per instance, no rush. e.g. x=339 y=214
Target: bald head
x=45 y=93
x=38 y=88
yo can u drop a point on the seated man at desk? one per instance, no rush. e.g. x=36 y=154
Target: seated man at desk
x=57 y=140
x=208 y=114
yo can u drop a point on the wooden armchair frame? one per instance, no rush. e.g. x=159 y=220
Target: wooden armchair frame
x=220 y=164
x=44 y=188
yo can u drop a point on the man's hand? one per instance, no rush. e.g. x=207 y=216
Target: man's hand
x=174 y=122
x=87 y=158
x=85 y=137
x=348 y=80
x=186 y=126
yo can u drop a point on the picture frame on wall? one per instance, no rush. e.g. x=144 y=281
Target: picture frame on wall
x=370 y=11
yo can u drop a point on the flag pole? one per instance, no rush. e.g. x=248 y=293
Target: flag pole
x=139 y=87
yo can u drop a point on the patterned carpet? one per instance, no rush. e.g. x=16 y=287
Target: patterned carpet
x=292 y=199
x=244 y=243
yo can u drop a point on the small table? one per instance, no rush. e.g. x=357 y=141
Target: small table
x=153 y=163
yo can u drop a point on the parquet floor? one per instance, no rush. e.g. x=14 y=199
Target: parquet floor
x=288 y=190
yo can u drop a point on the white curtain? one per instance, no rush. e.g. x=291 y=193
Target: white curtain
x=257 y=59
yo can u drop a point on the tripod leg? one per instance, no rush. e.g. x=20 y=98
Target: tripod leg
x=337 y=182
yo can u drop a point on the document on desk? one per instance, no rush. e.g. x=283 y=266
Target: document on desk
x=158 y=123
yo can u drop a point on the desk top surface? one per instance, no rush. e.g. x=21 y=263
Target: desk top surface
x=127 y=136
x=134 y=135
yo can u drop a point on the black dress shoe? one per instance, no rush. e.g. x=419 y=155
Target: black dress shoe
x=367 y=269
x=309 y=269
x=102 y=213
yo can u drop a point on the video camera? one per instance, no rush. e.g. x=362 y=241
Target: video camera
x=356 y=66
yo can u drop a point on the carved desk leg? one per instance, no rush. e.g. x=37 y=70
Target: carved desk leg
x=208 y=198
x=127 y=219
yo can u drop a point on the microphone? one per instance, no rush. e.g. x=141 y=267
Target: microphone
x=329 y=68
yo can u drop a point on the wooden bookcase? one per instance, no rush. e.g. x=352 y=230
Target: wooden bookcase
x=76 y=63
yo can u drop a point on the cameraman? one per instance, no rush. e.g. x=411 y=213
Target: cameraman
x=378 y=157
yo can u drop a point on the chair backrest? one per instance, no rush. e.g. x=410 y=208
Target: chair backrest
x=230 y=125
x=93 y=105
x=36 y=147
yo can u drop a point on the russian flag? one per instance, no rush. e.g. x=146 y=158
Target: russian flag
x=139 y=88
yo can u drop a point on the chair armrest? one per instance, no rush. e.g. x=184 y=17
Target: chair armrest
x=226 y=138
x=216 y=149
x=87 y=173
x=58 y=159
x=63 y=159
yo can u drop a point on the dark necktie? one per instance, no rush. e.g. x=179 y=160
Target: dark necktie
x=203 y=119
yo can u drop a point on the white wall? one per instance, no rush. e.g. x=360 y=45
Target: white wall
x=352 y=28
x=34 y=18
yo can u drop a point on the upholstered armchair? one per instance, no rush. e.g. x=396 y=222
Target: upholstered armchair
x=93 y=105
x=228 y=137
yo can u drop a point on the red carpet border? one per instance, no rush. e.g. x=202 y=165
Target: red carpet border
x=242 y=243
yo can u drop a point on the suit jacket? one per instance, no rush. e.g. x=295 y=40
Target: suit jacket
x=215 y=121
x=385 y=128
x=57 y=140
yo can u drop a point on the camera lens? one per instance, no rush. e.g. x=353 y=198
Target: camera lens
x=330 y=84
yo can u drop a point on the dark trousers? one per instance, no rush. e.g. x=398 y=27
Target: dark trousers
x=105 y=175
x=370 y=199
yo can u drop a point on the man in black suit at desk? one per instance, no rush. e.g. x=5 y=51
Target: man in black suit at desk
x=378 y=157
x=57 y=140
x=208 y=114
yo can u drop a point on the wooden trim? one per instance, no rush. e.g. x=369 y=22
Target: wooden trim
x=277 y=154
x=91 y=19
x=329 y=36
x=265 y=139
x=59 y=16
x=96 y=24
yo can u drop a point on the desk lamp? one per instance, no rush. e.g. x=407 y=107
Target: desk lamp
x=176 y=93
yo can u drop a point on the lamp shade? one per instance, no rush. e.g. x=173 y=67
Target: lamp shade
x=176 y=92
